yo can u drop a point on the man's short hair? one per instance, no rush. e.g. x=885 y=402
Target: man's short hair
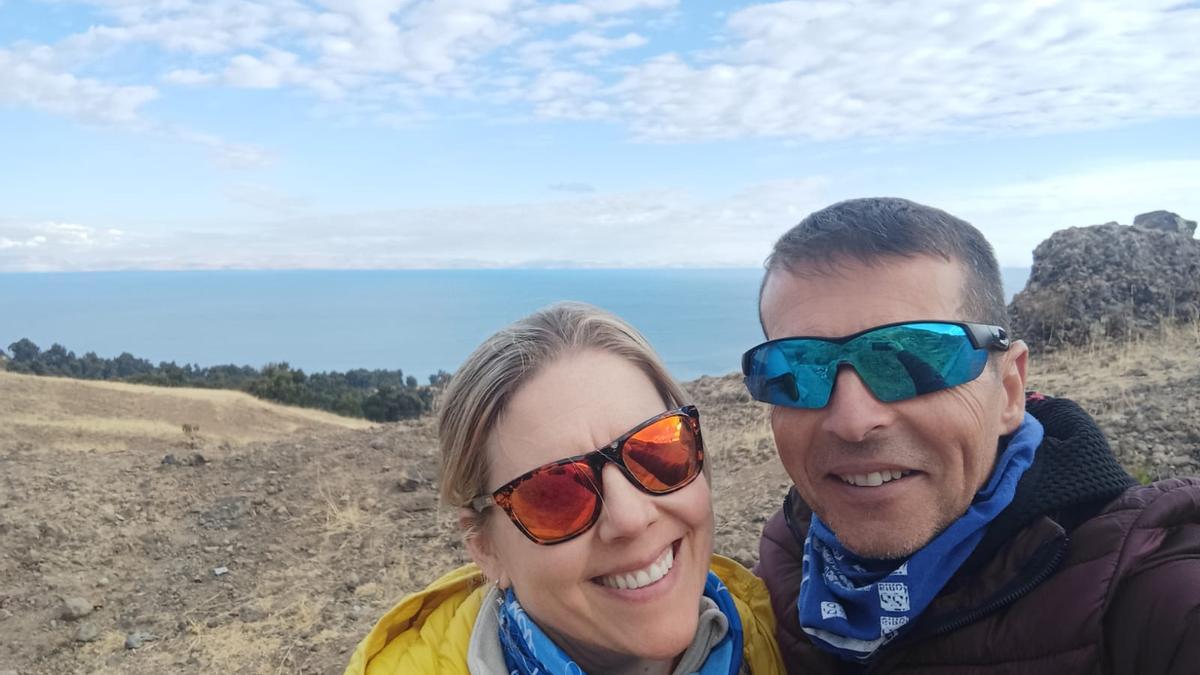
x=872 y=229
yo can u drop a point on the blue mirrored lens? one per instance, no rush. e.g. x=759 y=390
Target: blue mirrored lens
x=794 y=373
x=895 y=363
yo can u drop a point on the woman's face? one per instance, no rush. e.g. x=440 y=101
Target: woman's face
x=578 y=403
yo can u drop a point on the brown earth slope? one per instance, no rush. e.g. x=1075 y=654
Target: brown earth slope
x=278 y=553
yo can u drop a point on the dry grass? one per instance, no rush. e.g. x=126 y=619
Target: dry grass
x=60 y=413
x=1106 y=372
x=232 y=649
x=1142 y=391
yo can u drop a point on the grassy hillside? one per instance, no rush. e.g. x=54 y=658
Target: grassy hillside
x=59 y=413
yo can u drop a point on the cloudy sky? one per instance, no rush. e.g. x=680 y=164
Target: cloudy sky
x=182 y=134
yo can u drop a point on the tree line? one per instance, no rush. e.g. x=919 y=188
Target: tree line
x=377 y=395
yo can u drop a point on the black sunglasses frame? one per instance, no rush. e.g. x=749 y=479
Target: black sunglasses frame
x=982 y=336
x=596 y=460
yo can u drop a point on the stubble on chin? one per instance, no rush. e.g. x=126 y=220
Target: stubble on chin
x=875 y=534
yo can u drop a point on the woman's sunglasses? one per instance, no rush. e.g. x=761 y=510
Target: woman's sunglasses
x=561 y=500
x=895 y=361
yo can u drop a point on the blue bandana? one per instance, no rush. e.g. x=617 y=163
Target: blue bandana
x=852 y=606
x=529 y=651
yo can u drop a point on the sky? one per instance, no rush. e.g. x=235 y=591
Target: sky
x=380 y=134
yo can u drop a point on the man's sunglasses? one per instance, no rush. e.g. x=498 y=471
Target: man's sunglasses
x=561 y=500
x=895 y=361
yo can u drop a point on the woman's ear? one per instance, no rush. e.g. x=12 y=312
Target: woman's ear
x=480 y=546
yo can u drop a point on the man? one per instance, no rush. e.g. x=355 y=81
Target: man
x=941 y=520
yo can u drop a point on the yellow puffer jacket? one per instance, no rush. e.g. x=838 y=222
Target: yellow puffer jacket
x=428 y=632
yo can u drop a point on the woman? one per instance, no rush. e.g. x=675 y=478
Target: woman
x=587 y=561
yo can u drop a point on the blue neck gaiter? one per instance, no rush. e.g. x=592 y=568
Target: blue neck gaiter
x=851 y=606
x=529 y=651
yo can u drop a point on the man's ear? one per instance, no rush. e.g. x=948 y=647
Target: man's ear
x=480 y=546
x=1012 y=381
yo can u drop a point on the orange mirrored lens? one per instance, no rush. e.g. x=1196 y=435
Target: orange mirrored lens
x=557 y=501
x=664 y=455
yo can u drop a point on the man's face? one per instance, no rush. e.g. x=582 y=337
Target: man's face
x=944 y=443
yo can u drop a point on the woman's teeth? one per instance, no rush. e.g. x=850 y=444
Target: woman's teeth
x=643 y=577
x=873 y=479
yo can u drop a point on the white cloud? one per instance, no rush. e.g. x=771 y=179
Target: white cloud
x=586 y=47
x=800 y=69
x=621 y=6
x=654 y=228
x=600 y=44
x=226 y=153
x=578 y=188
x=562 y=95
x=559 y=14
x=30 y=242
x=197 y=27
x=49 y=245
x=29 y=79
x=359 y=51
x=266 y=198
x=252 y=73
x=650 y=228
x=822 y=70
x=1016 y=217
x=188 y=77
x=590 y=10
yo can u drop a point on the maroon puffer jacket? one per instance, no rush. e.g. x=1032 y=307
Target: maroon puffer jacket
x=1068 y=580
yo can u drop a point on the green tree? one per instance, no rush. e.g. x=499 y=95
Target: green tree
x=24 y=351
x=389 y=404
x=280 y=383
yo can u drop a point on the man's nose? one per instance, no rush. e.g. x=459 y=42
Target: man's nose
x=853 y=412
x=626 y=511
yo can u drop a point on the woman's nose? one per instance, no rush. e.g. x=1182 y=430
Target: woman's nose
x=625 y=510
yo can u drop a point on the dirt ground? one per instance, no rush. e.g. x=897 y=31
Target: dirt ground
x=277 y=548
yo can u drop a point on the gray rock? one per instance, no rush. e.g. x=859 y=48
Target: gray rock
x=87 y=632
x=136 y=639
x=76 y=608
x=169 y=460
x=226 y=513
x=407 y=484
x=9 y=672
x=1106 y=282
x=1166 y=221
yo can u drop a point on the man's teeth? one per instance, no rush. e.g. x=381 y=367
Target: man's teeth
x=873 y=479
x=643 y=577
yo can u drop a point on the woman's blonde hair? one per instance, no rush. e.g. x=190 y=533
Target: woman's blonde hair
x=479 y=392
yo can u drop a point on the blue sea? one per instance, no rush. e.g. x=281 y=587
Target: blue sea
x=419 y=321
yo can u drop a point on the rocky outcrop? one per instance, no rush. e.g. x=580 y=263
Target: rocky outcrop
x=1165 y=221
x=1109 y=281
